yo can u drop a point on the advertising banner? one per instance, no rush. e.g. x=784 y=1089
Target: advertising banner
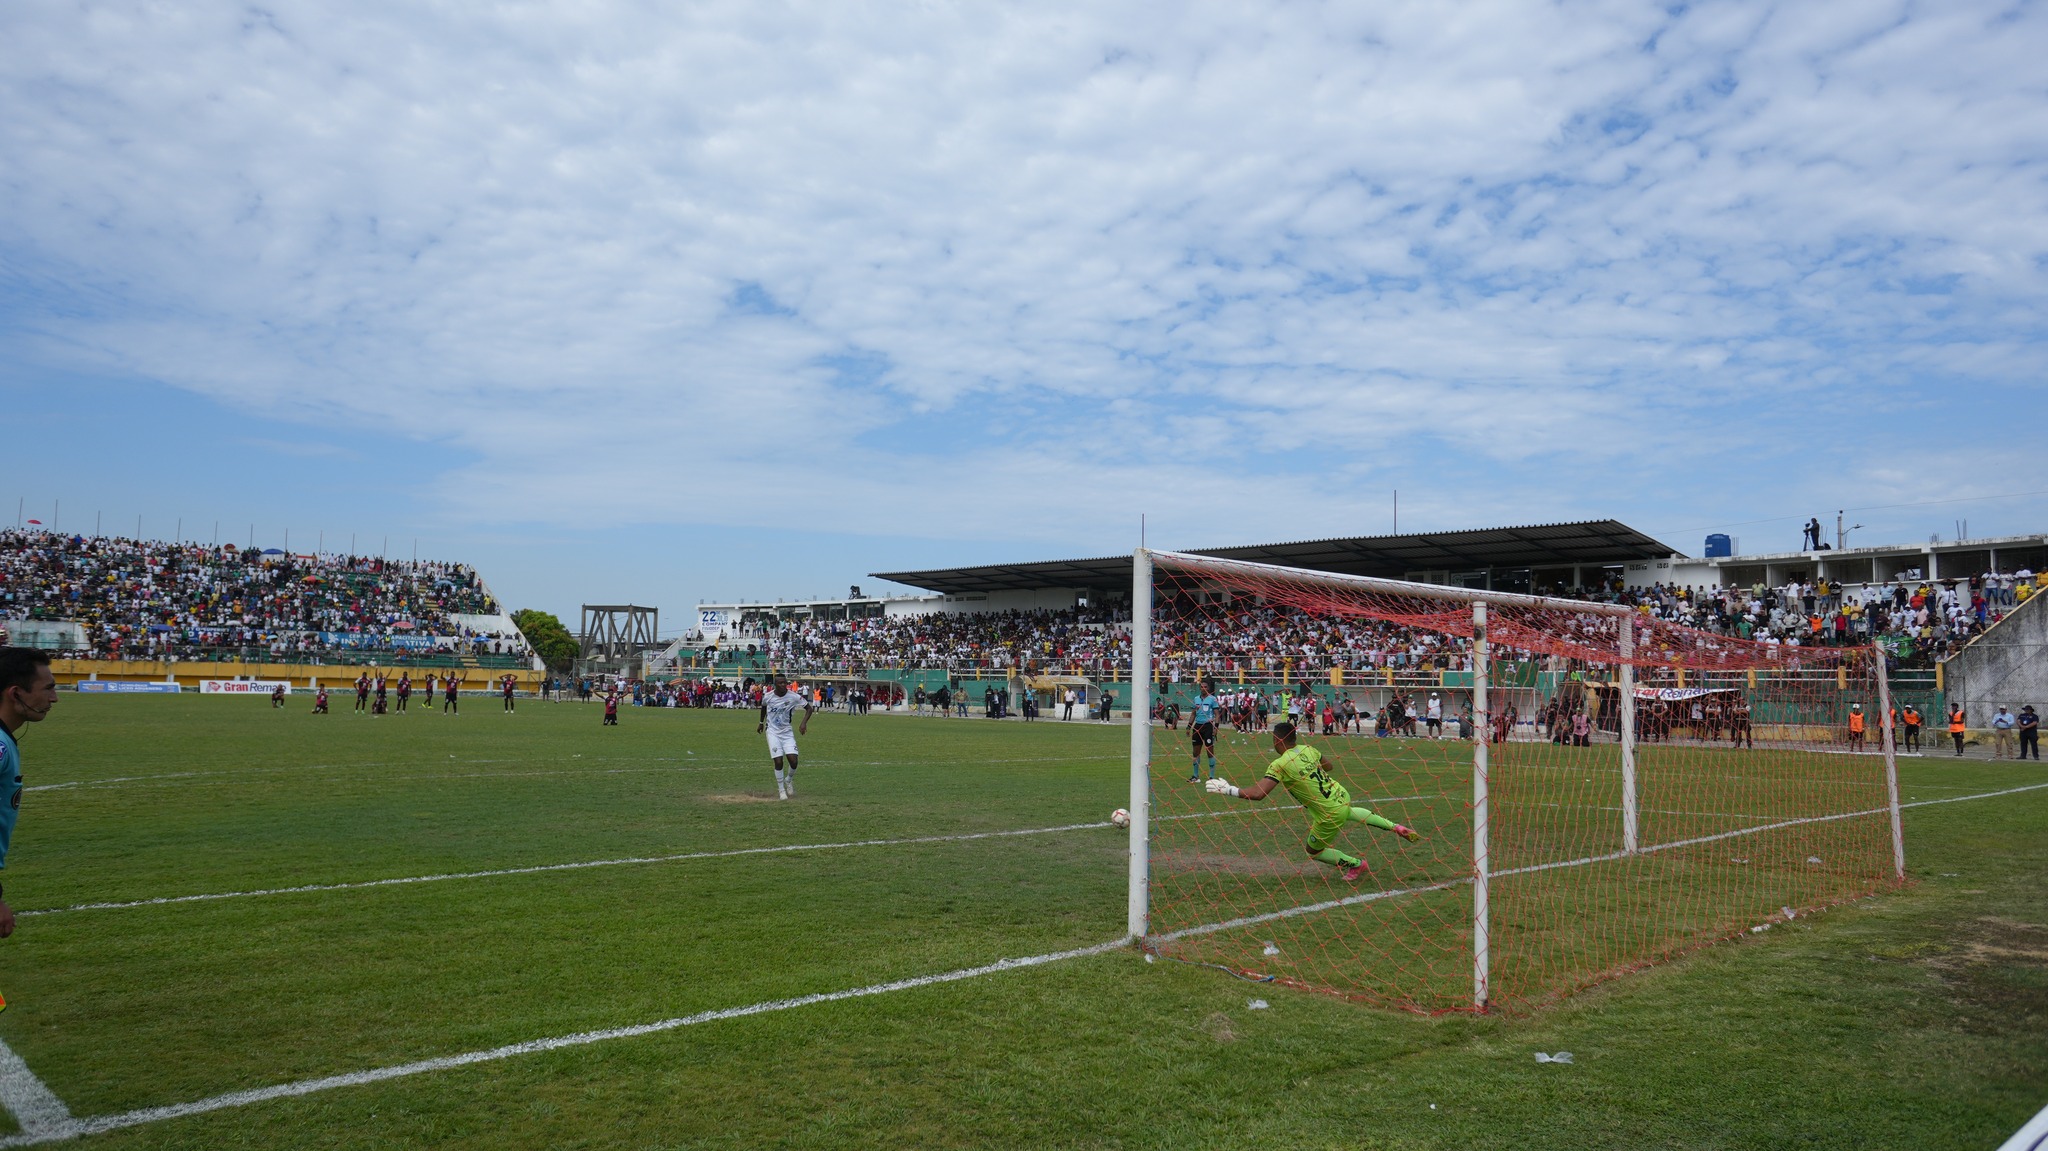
x=1670 y=694
x=109 y=686
x=242 y=686
x=394 y=642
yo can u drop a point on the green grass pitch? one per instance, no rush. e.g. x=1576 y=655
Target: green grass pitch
x=1913 y=1020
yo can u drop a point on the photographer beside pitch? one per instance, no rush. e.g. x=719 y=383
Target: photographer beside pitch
x=1300 y=769
x=28 y=691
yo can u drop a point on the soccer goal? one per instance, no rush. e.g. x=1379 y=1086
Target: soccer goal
x=1593 y=790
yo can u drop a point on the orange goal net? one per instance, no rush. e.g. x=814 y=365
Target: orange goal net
x=1590 y=789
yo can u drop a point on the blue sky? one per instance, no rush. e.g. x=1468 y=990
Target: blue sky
x=636 y=302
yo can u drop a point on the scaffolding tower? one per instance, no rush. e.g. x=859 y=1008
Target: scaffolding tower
x=613 y=636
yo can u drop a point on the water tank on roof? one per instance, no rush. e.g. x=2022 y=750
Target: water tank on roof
x=1719 y=546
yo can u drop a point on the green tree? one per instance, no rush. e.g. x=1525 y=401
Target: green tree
x=551 y=641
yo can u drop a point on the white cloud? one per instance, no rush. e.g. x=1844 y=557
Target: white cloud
x=850 y=248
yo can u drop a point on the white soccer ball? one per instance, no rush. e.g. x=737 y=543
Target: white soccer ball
x=1120 y=817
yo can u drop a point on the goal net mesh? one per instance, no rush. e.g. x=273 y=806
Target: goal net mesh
x=1755 y=799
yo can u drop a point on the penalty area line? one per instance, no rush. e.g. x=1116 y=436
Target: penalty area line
x=662 y=764
x=542 y=868
x=586 y=864
x=1531 y=869
x=72 y=1128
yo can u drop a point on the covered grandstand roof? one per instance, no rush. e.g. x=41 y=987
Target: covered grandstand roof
x=1590 y=542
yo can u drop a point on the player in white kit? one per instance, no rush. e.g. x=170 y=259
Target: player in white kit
x=778 y=708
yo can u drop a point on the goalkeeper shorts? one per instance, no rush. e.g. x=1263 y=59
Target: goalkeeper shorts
x=1323 y=831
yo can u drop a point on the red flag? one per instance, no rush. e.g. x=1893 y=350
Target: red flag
x=38 y=523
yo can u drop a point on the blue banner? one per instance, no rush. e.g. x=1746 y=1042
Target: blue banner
x=363 y=639
x=105 y=685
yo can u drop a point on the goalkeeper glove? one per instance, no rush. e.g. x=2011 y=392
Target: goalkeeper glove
x=1222 y=787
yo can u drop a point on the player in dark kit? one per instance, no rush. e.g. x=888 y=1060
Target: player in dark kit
x=611 y=710
x=449 y=702
x=1740 y=731
x=404 y=690
x=320 y=702
x=510 y=682
x=277 y=696
x=382 y=705
x=363 y=692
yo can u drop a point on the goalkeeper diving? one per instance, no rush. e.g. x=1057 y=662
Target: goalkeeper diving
x=1300 y=770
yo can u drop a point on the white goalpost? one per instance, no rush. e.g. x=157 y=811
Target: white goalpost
x=1208 y=882
x=1482 y=880
x=1138 y=921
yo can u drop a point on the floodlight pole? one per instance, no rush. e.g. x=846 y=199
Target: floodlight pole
x=1482 y=866
x=1138 y=918
x=1888 y=739
x=1630 y=814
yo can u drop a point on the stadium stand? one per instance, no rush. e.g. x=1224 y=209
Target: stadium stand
x=1921 y=622
x=149 y=600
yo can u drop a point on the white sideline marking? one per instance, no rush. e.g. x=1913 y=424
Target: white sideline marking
x=104 y=1123
x=537 y=869
x=42 y=1116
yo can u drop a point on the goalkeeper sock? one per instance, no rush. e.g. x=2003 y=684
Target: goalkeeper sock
x=1370 y=820
x=1335 y=858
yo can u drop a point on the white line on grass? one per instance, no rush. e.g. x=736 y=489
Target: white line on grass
x=1305 y=909
x=538 y=869
x=581 y=865
x=1783 y=823
x=1371 y=896
x=2032 y=1137
x=668 y=764
x=1645 y=811
x=41 y=1115
x=94 y=1126
x=54 y=1122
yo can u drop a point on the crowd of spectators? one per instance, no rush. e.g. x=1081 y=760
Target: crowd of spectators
x=989 y=640
x=1919 y=622
x=145 y=599
x=1096 y=643
x=153 y=600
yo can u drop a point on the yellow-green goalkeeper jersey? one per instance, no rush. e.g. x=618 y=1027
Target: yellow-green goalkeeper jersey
x=1300 y=771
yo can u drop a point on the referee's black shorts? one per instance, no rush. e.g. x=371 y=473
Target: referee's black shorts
x=1202 y=734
